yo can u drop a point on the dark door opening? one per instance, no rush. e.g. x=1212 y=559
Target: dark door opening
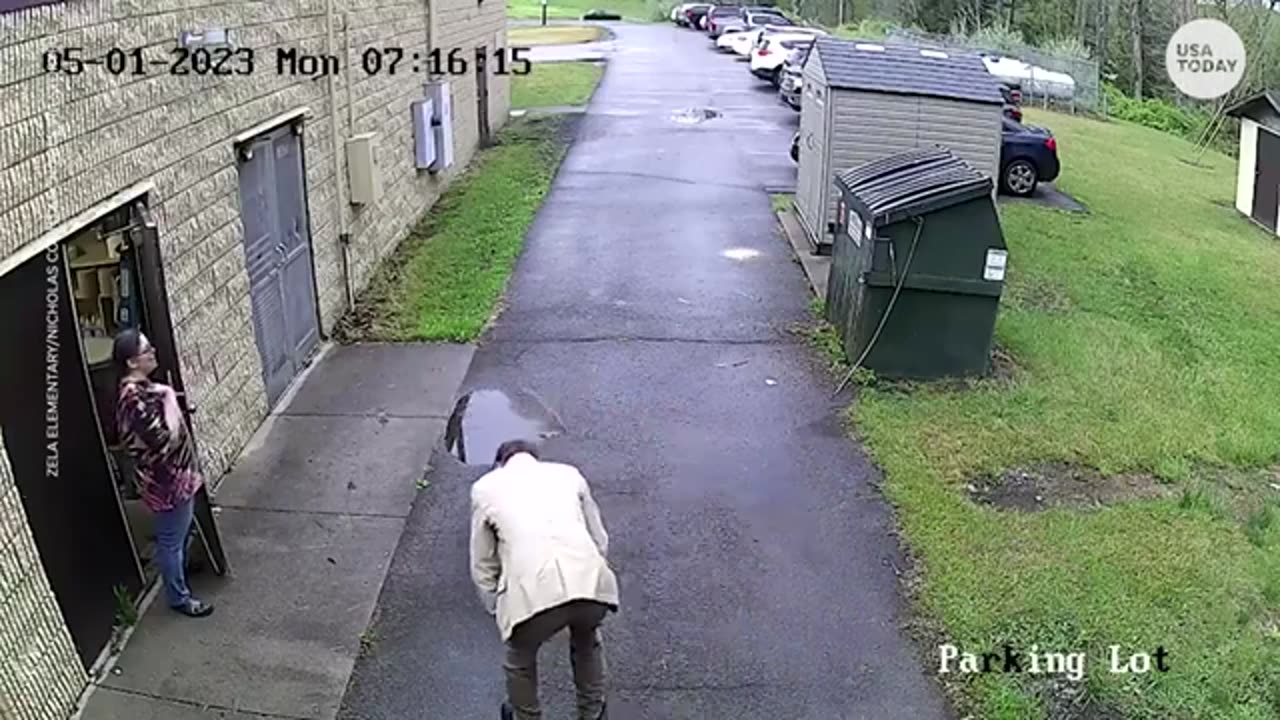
x=57 y=450
x=144 y=241
x=76 y=481
x=277 y=242
x=1266 y=186
x=482 y=96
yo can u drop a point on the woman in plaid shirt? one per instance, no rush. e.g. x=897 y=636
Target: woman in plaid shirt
x=168 y=472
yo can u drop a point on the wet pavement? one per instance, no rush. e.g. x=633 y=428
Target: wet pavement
x=1048 y=195
x=646 y=338
x=311 y=515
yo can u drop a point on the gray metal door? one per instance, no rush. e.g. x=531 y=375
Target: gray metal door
x=278 y=256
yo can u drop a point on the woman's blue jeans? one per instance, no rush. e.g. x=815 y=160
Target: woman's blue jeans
x=172 y=527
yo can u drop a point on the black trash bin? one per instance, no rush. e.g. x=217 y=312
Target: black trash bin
x=918 y=266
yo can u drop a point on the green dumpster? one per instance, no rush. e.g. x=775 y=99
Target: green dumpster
x=918 y=265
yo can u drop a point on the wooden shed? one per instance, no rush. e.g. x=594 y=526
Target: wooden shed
x=1258 y=172
x=864 y=101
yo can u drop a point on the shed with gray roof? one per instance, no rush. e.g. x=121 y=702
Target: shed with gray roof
x=1258 y=168
x=864 y=101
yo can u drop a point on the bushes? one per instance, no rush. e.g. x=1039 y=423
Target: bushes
x=1187 y=123
x=867 y=29
x=1069 y=47
x=1153 y=113
x=996 y=37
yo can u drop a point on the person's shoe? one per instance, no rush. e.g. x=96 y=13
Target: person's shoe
x=507 y=712
x=195 y=608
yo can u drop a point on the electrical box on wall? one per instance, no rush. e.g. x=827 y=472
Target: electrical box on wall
x=424 y=136
x=363 y=174
x=441 y=124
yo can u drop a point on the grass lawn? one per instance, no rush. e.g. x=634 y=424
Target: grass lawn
x=560 y=83
x=1146 y=340
x=553 y=35
x=635 y=10
x=445 y=280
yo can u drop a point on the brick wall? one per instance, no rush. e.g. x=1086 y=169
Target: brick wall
x=40 y=673
x=67 y=143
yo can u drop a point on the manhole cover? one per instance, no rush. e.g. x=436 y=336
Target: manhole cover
x=694 y=115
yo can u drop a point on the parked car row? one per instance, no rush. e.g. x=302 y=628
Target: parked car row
x=762 y=34
x=778 y=47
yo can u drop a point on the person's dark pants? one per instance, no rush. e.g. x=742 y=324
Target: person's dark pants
x=586 y=653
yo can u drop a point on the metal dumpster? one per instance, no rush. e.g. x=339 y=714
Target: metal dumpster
x=918 y=266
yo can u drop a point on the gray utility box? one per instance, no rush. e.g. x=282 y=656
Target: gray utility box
x=948 y=289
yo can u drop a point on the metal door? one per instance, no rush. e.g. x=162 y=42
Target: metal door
x=278 y=256
x=1266 y=173
x=57 y=453
x=482 y=95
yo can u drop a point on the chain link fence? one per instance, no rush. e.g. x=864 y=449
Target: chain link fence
x=1048 y=80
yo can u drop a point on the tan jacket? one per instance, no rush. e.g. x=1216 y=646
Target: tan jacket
x=537 y=541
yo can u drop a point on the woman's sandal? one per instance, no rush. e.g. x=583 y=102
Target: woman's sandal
x=195 y=608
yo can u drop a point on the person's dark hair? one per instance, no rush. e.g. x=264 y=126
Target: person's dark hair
x=511 y=448
x=127 y=344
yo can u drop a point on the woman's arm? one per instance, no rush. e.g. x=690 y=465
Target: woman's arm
x=141 y=420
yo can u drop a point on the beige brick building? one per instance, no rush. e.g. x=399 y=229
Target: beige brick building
x=249 y=234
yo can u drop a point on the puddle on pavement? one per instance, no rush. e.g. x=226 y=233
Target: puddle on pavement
x=694 y=115
x=740 y=253
x=484 y=419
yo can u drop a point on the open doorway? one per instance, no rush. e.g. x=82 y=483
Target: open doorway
x=76 y=482
x=117 y=280
x=106 y=300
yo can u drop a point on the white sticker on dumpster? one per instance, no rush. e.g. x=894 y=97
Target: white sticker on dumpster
x=853 y=221
x=996 y=261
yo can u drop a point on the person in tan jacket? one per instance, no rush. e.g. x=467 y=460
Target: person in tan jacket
x=539 y=561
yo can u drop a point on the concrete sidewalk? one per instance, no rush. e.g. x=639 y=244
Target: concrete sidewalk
x=310 y=516
x=816 y=267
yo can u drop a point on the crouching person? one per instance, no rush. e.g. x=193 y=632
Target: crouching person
x=539 y=560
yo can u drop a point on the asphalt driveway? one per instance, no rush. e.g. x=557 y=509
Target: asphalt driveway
x=649 y=320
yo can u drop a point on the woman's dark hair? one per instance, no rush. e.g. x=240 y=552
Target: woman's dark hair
x=127 y=344
x=511 y=448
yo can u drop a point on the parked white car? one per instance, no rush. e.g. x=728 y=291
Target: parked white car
x=739 y=42
x=745 y=41
x=769 y=31
x=755 y=20
x=772 y=50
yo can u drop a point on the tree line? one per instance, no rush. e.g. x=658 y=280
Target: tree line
x=1126 y=38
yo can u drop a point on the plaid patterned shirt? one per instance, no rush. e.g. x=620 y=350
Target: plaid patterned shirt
x=167 y=467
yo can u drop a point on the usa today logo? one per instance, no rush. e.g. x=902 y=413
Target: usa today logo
x=1205 y=59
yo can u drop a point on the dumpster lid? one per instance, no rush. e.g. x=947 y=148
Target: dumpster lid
x=912 y=183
